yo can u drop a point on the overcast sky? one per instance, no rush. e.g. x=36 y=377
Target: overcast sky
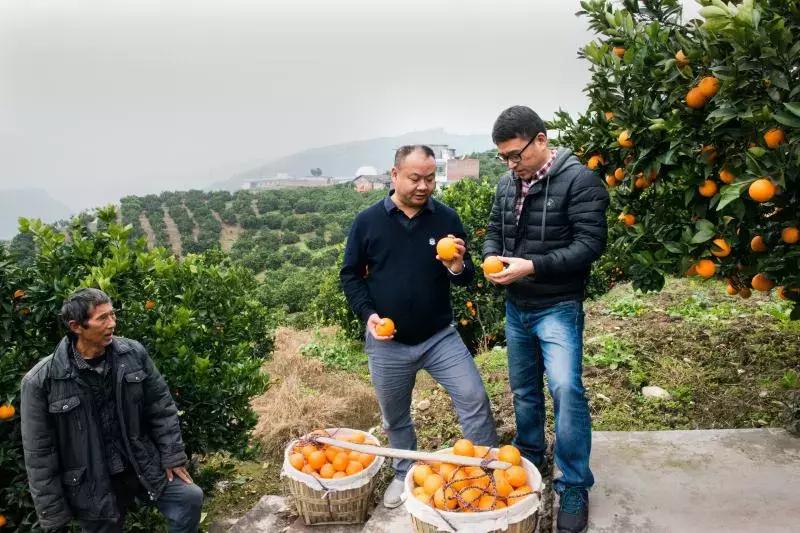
x=104 y=98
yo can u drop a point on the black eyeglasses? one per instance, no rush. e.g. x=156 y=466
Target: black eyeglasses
x=514 y=158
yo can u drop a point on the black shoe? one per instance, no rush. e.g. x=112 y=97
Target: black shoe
x=573 y=512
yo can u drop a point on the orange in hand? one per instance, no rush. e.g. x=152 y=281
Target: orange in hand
x=446 y=248
x=385 y=328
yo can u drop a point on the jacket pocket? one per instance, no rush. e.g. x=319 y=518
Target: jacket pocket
x=77 y=493
x=68 y=409
x=133 y=385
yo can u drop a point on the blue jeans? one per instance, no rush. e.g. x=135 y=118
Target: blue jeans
x=393 y=368
x=550 y=340
x=180 y=503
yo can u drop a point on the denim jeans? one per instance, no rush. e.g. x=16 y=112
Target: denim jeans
x=393 y=368
x=180 y=503
x=550 y=340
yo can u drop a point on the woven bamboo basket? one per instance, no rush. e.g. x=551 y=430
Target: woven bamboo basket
x=461 y=522
x=332 y=501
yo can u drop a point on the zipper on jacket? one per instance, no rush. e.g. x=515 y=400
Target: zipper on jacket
x=125 y=439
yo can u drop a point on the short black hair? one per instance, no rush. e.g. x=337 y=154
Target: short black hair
x=408 y=149
x=517 y=121
x=78 y=305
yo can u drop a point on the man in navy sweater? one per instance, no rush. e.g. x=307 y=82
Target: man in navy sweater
x=391 y=270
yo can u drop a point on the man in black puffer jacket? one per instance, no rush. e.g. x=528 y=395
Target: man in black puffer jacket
x=547 y=225
x=99 y=428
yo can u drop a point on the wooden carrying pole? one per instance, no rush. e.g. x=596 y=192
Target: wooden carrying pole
x=414 y=456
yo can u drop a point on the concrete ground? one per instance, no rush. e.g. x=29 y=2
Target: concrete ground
x=654 y=482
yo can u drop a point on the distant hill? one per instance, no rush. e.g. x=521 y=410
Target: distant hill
x=344 y=159
x=29 y=203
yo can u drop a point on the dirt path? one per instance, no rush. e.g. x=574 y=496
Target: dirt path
x=229 y=233
x=148 y=231
x=173 y=234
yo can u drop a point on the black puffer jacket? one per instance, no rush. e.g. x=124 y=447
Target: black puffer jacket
x=562 y=228
x=63 y=443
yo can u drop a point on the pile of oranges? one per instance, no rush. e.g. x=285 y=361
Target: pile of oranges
x=468 y=489
x=330 y=462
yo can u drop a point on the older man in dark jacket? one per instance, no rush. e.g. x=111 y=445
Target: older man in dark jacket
x=547 y=225
x=99 y=428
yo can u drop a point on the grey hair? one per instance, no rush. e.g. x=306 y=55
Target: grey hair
x=78 y=305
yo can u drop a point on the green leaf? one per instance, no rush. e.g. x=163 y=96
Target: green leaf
x=706 y=231
x=756 y=151
x=787 y=120
x=794 y=107
x=732 y=192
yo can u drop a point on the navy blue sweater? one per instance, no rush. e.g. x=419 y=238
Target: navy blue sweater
x=390 y=268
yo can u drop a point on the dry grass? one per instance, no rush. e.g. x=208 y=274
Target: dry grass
x=305 y=396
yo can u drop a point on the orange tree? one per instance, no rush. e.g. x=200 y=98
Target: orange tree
x=197 y=317
x=694 y=127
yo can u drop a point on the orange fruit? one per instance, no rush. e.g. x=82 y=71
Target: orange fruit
x=354 y=467
x=487 y=502
x=447 y=470
x=459 y=479
x=446 y=248
x=757 y=244
x=720 y=248
x=307 y=450
x=609 y=115
x=745 y=293
x=619 y=51
x=332 y=451
x=762 y=190
x=726 y=176
x=518 y=495
x=422 y=496
x=19 y=293
x=445 y=499
x=421 y=473
x=297 y=461
x=774 y=138
x=470 y=495
x=705 y=268
x=479 y=477
x=619 y=174
x=708 y=188
x=509 y=454
x=432 y=483
x=492 y=265
x=595 y=161
x=516 y=476
x=308 y=470
x=762 y=283
x=365 y=459
x=695 y=98
x=340 y=462
x=150 y=305
x=501 y=483
x=7 y=411
x=612 y=182
x=464 y=447
x=641 y=183
x=790 y=235
x=317 y=459
x=625 y=140
x=708 y=86
x=709 y=152
x=628 y=219
x=680 y=59
x=358 y=438
x=730 y=289
x=3 y=521
x=385 y=328
x=338 y=475
x=480 y=451
x=327 y=471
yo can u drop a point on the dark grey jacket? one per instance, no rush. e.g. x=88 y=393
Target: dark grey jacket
x=62 y=440
x=562 y=228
